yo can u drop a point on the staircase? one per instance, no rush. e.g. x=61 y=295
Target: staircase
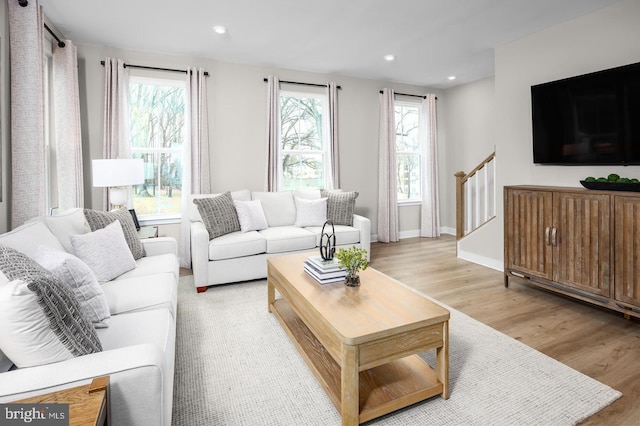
x=475 y=197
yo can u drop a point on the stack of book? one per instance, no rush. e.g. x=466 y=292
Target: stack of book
x=324 y=271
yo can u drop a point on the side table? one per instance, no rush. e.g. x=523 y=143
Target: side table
x=148 y=232
x=88 y=404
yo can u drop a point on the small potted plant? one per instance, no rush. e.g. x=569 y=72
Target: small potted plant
x=354 y=259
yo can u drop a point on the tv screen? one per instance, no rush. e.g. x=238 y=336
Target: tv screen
x=590 y=119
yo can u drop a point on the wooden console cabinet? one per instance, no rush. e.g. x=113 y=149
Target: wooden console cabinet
x=578 y=242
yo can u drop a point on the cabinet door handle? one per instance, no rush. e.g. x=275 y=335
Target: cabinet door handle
x=546 y=236
x=554 y=237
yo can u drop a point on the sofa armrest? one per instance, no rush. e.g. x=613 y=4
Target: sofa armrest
x=363 y=224
x=135 y=384
x=200 y=254
x=160 y=245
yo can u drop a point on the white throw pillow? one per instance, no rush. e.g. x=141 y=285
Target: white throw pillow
x=251 y=215
x=77 y=275
x=41 y=321
x=105 y=251
x=25 y=333
x=311 y=212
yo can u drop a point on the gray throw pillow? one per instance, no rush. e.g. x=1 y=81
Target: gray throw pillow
x=99 y=219
x=79 y=277
x=218 y=214
x=58 y=303
x=340 y=206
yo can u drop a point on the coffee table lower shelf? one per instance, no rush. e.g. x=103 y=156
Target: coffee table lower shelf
x=382 y=389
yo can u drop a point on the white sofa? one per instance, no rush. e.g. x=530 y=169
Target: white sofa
x=241 y=256
x=138 y=346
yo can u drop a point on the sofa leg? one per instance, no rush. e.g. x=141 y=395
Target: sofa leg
x=201 y=289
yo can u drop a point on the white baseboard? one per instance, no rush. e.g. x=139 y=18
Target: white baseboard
x=447 y=230
x=416 y=233
x=481 y=260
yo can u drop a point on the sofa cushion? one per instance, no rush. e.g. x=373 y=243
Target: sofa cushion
x=250 y=215
x=99 y=219
x=141 y=293
x=340 y=206
x=218 y=214
x=40 y=319
x=28 y=237
x=287 y=238
x=237 y=244
x=344 y=234
x=153 y=327
x=279 y=207
x=151 y=265
x=67 y=223
x=105 y=251
x=311 y=212
x=77 y=275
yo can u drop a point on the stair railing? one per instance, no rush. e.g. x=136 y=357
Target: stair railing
x=475 y=196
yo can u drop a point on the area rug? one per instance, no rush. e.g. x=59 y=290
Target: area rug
x=236 y=366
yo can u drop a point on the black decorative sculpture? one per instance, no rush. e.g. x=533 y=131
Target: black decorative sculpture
x=328 y=242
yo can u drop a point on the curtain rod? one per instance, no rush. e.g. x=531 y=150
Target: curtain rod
x=25 y=3
x=60 y=42
x=144 y=67
x=408 y=94
x=303 y=84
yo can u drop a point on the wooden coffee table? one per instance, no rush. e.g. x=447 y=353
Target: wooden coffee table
x=361 y=342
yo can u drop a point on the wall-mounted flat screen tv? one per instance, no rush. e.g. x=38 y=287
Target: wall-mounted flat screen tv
x=590 y=119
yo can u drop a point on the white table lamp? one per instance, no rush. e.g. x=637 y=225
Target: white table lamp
x=117 y=175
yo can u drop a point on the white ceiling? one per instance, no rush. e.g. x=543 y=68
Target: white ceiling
x=431 y=39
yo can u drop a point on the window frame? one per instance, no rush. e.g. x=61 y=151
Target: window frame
x=325 y=152
x=420 y=152
x=159 y=79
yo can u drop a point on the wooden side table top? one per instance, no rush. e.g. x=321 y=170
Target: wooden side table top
x=88 y=404
x=148 y=232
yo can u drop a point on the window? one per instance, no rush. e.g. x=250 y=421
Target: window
x=304 y=143
x=157 y=130
x=408 y=151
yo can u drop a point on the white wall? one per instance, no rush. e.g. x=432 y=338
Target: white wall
x=469 y=122
x=237 y=118
x=604 y=39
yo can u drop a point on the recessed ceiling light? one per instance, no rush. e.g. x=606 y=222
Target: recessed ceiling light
x=389 y=58
x=451 y=77
x=219 y=29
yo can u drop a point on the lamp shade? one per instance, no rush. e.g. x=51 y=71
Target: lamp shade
x=117 y=172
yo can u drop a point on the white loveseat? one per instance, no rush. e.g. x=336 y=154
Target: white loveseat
x=241 y=256
x=138 y=346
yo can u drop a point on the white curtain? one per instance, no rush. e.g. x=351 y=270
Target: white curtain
x=116 y=141
x=273 y=132
x=387 y=178
x=68 y=141
x=334 y=155
x=430 y=210
x=196 y=176
x=28 y=180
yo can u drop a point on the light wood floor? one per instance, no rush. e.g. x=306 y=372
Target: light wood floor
x=592 y=340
